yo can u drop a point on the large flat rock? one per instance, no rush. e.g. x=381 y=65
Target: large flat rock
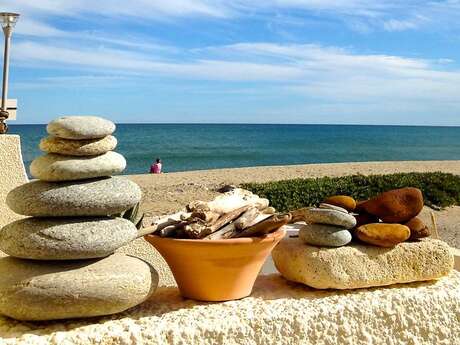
x=66 y=238
x=278 y=312
x=89 y=147
x=95 y=197
x=47 y=290
x=357 y=265
x=80 y=127
x=54 y=167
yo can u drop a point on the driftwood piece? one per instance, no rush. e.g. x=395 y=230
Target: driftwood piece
x=170 y=230
x=208 y=217
x=228 y=231
x=247 y=218
x=200 y=230
x=227 y=202
x=195 y=230
x=300 y=215
x=164 y=221
x=269 y=210
x=270 y=224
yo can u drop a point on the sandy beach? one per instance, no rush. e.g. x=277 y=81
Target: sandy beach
x=167 y=193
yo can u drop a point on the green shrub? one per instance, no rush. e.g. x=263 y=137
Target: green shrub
x=439 y=189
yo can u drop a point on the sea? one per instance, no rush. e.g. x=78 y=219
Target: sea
x=184 y=147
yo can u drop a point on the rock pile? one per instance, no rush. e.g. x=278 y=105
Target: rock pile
x=398 y=210
x=327 y=225
x=61 y=263
x=370 y=240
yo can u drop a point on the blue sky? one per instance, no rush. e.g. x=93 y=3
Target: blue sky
x=243 y=61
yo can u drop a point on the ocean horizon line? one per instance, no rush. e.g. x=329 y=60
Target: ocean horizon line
x=258 y=124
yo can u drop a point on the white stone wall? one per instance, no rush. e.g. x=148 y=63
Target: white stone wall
x=12 y=173
x=278 y=312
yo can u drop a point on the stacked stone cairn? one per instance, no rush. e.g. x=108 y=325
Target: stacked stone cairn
x=62 y=262
x=344 y=244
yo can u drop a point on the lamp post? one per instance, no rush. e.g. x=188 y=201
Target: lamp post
x=8 y=20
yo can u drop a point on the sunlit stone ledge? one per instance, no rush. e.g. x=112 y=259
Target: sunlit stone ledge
x=278 y=312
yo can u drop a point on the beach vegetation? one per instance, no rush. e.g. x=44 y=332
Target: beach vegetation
x=439 y=189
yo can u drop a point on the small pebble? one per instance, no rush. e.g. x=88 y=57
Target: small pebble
x=324 y=235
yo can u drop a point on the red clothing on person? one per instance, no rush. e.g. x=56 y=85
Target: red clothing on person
x=155 y=168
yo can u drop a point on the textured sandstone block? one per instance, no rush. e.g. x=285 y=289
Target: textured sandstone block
x=357 y=266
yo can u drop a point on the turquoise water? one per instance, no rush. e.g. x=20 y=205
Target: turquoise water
x=196 y=146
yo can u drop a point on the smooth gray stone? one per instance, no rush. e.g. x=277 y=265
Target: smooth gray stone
x=80 y=127
x=324 y=235
x=54 y=167
x=96 y=197
x=330 y=217
x=39 y=290
x=65 y=238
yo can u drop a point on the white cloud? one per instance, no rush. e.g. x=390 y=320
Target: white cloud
x=328 y=74
x=362 y=15
x=30 y=27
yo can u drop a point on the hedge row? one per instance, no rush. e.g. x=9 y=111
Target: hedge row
x=439 y=189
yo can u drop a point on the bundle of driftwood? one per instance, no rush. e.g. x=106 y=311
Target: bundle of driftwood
x=236 y=213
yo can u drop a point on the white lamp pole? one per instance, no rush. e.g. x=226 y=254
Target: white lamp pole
x=8 y=20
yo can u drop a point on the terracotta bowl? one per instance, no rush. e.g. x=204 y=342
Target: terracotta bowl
x=216 y=270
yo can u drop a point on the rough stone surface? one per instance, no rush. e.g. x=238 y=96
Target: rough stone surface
x=12 y=173
x=395 y=206
x=53 y=167
x=97 y=197
x=330 y=217
x=66 y=238
x=357 y=266
x=145 y=251
x=382 y=234
x=37 y=290
x=324 y=235
x=277 y=313
x=80 y=127
x=89 y=147
x=344 y=201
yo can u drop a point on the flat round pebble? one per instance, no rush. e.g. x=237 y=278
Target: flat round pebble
x=87 y=147
x=80 y=127
x=55 y=167
x=65 y=238
x=330 y=217
x=332 y=207
x=324 y=235
x=95 y=197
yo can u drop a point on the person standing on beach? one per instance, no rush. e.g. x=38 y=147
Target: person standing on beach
x=155 y=168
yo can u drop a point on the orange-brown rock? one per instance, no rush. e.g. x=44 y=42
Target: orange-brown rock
x=395 y=206
x=418 y=229
x=382 y=234
x=359 y=206
x=344 y=201
x=365 y=218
